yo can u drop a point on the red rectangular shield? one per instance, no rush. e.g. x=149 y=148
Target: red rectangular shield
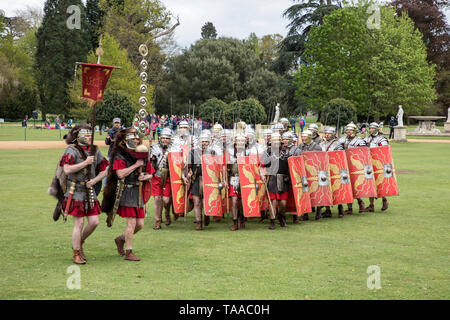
x=340 y=177
x=302 y=200
x=248 y=181
x=359 y=162
x=94 y=78
x=176 y=165
x=318 y=176
x=262 y=193
x=384 y=172
x=212 y=199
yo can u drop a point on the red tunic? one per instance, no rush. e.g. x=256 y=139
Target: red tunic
x=131 y=212
x=76 y=206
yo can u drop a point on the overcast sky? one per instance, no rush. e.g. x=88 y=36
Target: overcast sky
x=232 y=18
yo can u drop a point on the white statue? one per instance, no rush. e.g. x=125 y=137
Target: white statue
x=400 y=116
x=277 y=114
x=448 y=117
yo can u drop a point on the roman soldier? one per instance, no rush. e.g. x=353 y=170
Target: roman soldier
x=288 y=147
x=161 y=190
x=314 y=128
x=376 y=139
x=253 y=147
x=267 y=134
x=330 y=143
x=216 y=139
x=351 y=140
x=192 y=176
x=275 y=159
x=307 y=145
x=123 y=193
x=278 y=128
x=84 y=168
x=182 y=137
x=234 y=188
x=286 y=125
x=183 y=142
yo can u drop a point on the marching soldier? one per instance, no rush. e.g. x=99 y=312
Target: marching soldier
x=161 y=190
x=376 y=139
x=275 y=160
x=130 y=170
x=183 y=142
x=351 y=140
x=330 y=143
x=80 y=199
x=234 y=188
x=288 y=147
x=192 y=176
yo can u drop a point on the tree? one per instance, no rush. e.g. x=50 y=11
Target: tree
x=115 y=105
x=224 y=68
x=338 y=112
x=209 y=31
x=134 y=22
x=95 y=16
x=18 y=94
x=302 y=16
x=248 y=110
x=212 y=110
x=429 y=19
x=376 y=69
x=58 y=48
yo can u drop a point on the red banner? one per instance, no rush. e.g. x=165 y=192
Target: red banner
x=94 y=79
x=302 y=200
x=384 y=172
x=318 y=175
x=361 y=172
x=340 y=177
x=212 y=198
x=176 y=181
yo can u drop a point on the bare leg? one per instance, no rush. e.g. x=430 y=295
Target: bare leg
x=157 y=207
x=91 y=226
x=129 y=232
x=166 y=204
x=77 y=231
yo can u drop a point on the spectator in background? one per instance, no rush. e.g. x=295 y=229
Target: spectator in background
x=57 y=122
x=392 y=124
x=109 y=140
x=69 y=124
x=293 y=122
x=158 y=129
x=302 y=123
x=153 y=126
x=47 y=123
x=25 y=122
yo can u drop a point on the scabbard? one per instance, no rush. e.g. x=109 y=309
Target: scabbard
x=69 y=200
x=119 y=191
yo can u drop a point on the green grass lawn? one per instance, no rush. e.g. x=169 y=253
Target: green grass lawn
x=13 y=133
x=325 y=259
